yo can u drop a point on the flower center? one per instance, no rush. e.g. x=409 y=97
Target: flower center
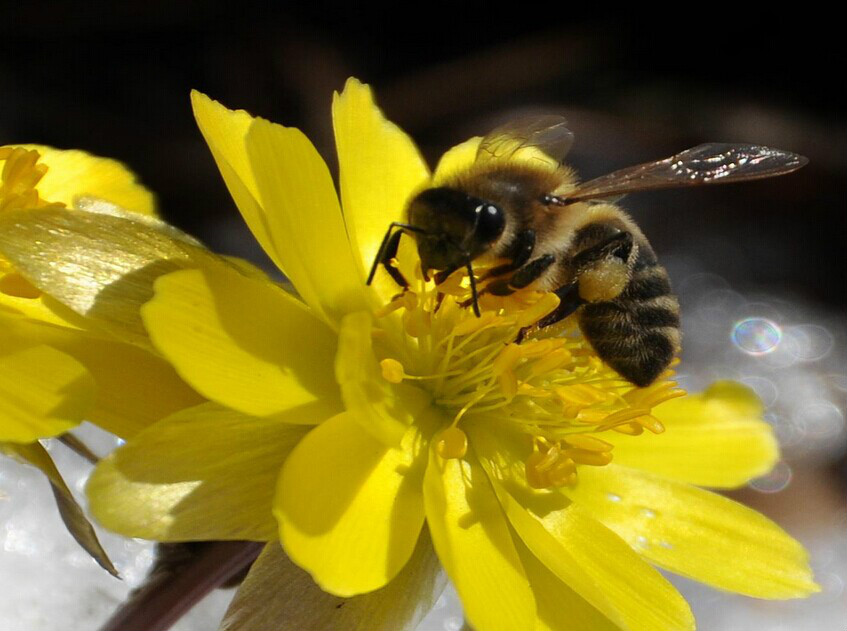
x=550 y=384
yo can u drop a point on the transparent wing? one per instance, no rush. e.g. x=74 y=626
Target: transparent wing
x=548 y=133
x=711 y=163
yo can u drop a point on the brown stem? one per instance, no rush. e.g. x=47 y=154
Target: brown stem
x=176 y=585
x=72 y=442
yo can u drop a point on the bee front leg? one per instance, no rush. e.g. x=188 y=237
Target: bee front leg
x=387 y=251
x=520 y=250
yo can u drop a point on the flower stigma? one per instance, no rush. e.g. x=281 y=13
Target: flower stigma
x=498 y=368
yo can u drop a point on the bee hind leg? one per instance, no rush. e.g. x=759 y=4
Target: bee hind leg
x=570 y=301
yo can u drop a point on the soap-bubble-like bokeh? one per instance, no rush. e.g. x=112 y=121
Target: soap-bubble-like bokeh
x=756 y=336
x=793 y=356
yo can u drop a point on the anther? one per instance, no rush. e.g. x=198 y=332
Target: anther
x=506 y=360
x=452 y=443
x=392 y=370
x=588 y=443
x=537 y=311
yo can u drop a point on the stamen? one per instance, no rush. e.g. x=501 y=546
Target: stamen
x=497 y=368
x=589 y=443
x=506 y=360
x=452 y=443
x=392 y=370
x=537 y=311
x=20 y=175
x=549 y=467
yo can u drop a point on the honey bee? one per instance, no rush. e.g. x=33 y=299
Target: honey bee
x=561 y=236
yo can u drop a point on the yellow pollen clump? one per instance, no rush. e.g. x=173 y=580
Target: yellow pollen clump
x=499 y=369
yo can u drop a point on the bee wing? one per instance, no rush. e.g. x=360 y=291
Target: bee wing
x=711 y=163
x=548 y=133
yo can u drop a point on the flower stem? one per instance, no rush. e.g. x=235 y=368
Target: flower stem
x=181 y=578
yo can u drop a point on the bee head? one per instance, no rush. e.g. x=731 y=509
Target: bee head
x=455 y=227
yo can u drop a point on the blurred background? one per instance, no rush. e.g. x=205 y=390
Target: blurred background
x=759 y=267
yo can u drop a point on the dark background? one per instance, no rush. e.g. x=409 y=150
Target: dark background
x=114 y=79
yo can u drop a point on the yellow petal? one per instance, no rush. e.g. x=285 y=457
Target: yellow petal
x=19 y=297
x=73 y=173
x=43 y=392
x=134 y=388
x=245 y=343
x=272 y=209
x=590 y=558
x=696 y=533
x=379 y=170
x=715 y=439
x=559 y=607
x=204 y=473
x=99 y=265
x=473 y=541
x=463 y=155
x=304 y=219
x=349 y=508
x=225 y=131
x=456 y=160
x=382 y=409
x=279 y=595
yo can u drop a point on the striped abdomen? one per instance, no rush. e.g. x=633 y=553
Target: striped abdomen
x=638 y=332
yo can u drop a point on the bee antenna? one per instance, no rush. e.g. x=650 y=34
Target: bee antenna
x=474 y=292
x=387 y=244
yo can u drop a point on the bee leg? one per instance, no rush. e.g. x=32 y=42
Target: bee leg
x=520 y=250
x=443 y=275
x=521 y=278
x=570 y=301
x=390 y=253
x=618 y=245
x=388 y=250
x=474 y=292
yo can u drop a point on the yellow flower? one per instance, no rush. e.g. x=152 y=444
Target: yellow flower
x=383 y=431
x=50 y=368
x=127 y=386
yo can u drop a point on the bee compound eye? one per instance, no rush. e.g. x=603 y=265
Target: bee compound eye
x=491 y=221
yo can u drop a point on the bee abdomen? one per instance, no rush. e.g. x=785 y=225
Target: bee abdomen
x=637 y=334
